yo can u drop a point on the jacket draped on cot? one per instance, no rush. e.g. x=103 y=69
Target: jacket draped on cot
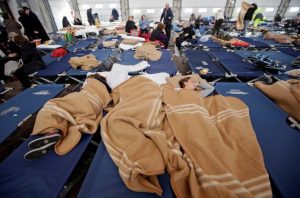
x=206 y=144
x=75 y=113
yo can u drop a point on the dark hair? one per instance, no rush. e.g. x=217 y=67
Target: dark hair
x=182 y=81
x=160 y=26
x=5 y=16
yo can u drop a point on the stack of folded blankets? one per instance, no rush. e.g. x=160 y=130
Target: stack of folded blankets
x=148 y=52
x=87 y=62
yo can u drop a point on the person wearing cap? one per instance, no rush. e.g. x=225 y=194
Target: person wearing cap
x=167 y=17
x=186 y=34
x=159 y=35
x=219 y=18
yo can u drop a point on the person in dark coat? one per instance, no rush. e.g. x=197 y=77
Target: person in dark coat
x=90 y=16
x=65 y=22
x=32 y=60
x=115 y=14
x=77 y=21
x=248 y=17
x=36 y=25
x=186 y=34
x=28 y=28
x=159 y=35
x=130 y=25
x=167 y=17
x=11 y=25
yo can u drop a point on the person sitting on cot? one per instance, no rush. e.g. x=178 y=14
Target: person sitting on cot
x=189 y=83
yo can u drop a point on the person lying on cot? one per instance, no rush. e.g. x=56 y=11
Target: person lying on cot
x=61 y=125
x=189 y=83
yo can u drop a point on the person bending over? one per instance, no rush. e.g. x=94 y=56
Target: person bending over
x=189 y=83
x=186 y=34
x=159 y=35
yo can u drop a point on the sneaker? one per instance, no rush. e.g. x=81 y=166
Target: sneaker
x=46 y=139
x=39 y=152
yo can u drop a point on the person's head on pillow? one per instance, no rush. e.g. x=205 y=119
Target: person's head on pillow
x=188 y=83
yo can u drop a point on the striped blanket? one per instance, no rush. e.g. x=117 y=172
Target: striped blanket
x=207 y=145
x=75 y=113
x=286 y=94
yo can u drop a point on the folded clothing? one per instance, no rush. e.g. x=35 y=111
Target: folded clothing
x=130 y=41
x=87 y=62
x=109 y=43
x=131 y=68
x=147 y=51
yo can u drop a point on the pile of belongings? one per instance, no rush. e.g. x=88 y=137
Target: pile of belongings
x=227 y=40
x=279 y=38
x=266 y=63
x=87 y=62
x=148 y=52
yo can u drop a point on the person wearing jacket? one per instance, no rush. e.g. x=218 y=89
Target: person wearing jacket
x=167 y=17
x=32 y=60
x=159 y=35
x=248 y=16
x=130 y=25
x=144 y=24
x=11 y=25
x=219 y=18
x=186 y=34
x=65 y=22
x=257 y=17
x=36 y=25
x=115 y=14
x=90 y=16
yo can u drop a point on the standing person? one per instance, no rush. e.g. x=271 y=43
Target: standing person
x=28 y=28
x=257 y=17
x=36 y=25
x=11 y=25
x=219 y=18
x=90 y=16
x=130 y=25
x=167 y=15
x=144 y=24
x=248 y=17
x=65 y=22
x=115 y=14
x=96 y=18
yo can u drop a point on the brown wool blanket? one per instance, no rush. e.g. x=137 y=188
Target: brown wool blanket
x=286 y=94
x=75 y=113
x=207 y=145
x=87 y=62
x=240 y=21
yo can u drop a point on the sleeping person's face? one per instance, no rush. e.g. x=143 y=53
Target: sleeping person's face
x=190 y=84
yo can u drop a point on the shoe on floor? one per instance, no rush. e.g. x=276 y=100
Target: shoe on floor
x=39 y=152
x=46 y=139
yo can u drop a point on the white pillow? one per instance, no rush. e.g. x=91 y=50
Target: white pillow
x=116 y=77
